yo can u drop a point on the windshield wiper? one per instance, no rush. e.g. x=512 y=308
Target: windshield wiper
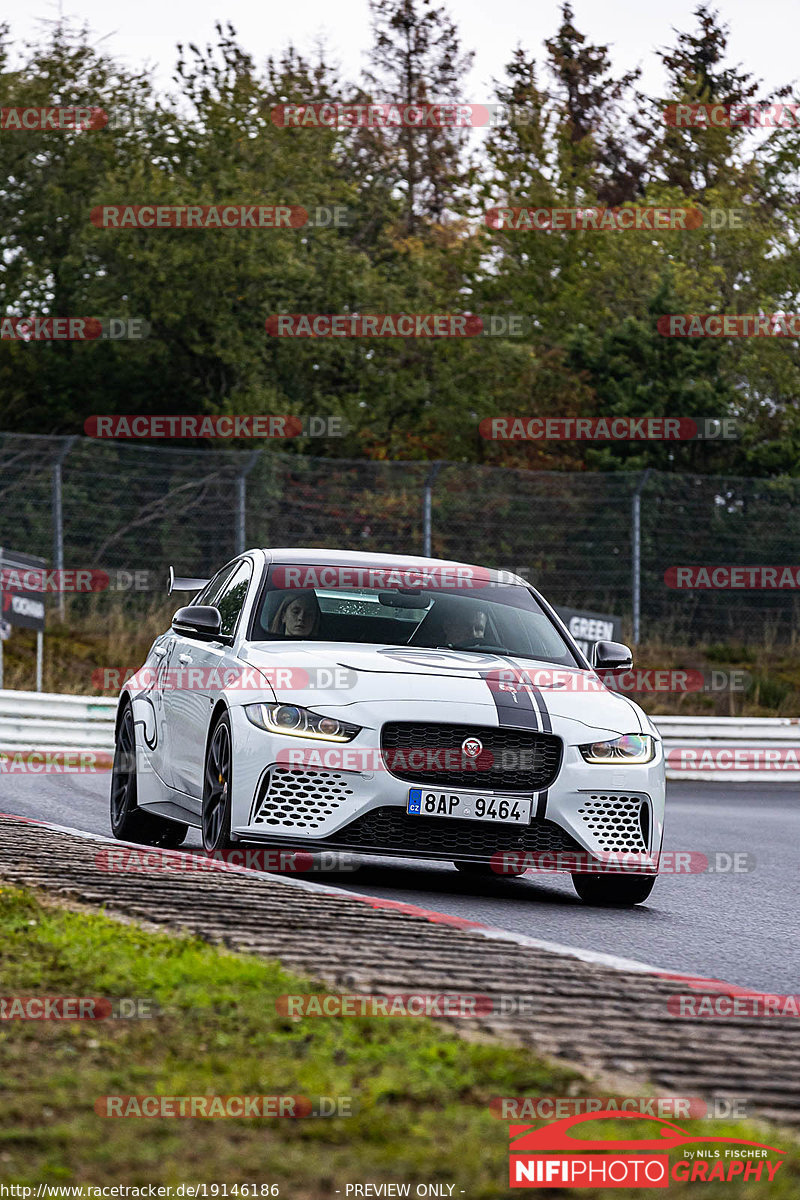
x=499 y=650
x=479 y=649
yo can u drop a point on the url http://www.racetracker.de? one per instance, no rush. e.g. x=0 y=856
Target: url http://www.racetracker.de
x=180 y=1191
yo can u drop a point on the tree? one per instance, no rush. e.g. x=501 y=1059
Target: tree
x=599 y=150
x=48 y=245
x=696 y=158
x=417 y=59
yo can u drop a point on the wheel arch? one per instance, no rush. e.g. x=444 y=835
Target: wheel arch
x=219 y=710
x=124 y=702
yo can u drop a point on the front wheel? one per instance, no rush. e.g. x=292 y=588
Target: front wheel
x=217 y=788
x=128 y=822
x=613 y=891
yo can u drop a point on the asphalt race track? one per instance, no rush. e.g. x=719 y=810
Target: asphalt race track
x=735 y=927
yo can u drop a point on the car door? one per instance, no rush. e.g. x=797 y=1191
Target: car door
x=148 y=706
x=200 y=669
x=170 y=679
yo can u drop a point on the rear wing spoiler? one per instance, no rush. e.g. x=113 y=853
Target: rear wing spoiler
x=178 y=583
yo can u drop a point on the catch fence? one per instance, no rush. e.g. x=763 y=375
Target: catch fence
x=576 y=536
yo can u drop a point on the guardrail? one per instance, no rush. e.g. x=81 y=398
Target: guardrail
x=731 y=749
x=48 y=721
x=724 y=749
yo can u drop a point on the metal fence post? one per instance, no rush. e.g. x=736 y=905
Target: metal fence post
x=241 y=507
x=58 y=520
x=427 y=500
x=1 y=639
x=636 y=537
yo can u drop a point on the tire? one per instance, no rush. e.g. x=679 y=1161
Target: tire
x=128 y=822
x=484 y=870
x=217 y=776
x=613 y=891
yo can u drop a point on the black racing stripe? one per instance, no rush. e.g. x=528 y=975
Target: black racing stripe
x=547 y=725
x=512 y=700
x=522 y=705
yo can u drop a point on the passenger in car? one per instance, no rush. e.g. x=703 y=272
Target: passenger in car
x=297 y=616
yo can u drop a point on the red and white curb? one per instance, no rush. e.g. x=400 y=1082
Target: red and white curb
x=598 y=958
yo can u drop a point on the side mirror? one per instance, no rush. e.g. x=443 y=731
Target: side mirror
x=200 y=621
x=611 y=656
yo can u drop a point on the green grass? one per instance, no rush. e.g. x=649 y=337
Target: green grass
x=419 y=1094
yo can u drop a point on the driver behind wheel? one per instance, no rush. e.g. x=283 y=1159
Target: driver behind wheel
x=465 y=626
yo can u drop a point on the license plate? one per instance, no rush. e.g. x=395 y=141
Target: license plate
x=515 y=810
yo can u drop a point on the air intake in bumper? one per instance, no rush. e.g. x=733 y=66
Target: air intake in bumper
x=618 y=823
x=391 y=830
x=298 y=799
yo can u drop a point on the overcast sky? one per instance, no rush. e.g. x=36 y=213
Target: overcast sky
x=764 y=33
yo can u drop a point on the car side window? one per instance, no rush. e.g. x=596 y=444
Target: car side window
x=214 y=587
x=232 y=596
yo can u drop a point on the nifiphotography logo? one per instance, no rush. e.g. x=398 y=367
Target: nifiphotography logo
x=553 y=1157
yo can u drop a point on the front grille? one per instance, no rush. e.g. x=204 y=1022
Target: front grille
x=617 y=822
x=392 y=831
x=512 y=760
x=301 y=799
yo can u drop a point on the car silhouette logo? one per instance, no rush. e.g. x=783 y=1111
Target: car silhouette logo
x=555 y=1136
x=472 y=747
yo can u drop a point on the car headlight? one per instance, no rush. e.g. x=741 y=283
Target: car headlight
x=631 y=748
x=300 y=722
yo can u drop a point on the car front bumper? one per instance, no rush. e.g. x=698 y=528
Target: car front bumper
x=598 y=809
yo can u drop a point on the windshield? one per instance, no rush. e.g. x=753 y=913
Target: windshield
x=484 y=617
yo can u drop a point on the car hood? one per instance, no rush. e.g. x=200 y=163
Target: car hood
x=351 y=673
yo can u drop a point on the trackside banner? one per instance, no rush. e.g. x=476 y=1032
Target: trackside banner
x=21 y=606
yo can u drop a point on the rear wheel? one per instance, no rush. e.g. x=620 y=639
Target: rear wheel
x=613 y=891
x=217 y=788
x=130 y=823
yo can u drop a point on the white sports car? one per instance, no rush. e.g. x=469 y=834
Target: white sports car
x=335 y=700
